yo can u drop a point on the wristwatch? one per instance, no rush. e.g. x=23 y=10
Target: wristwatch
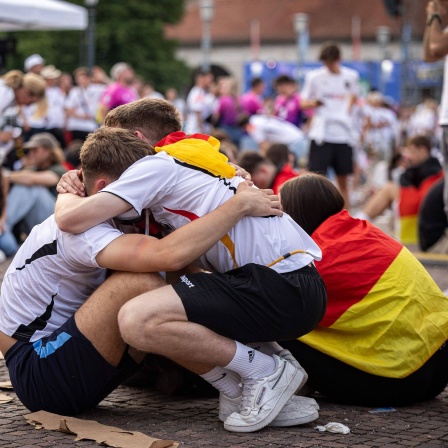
x=433 y=17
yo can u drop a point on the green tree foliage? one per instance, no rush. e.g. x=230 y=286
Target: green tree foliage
x=130 y=31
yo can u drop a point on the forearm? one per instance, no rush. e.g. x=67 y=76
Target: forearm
x=435 y=41
x=26 y=177
x=75 y=214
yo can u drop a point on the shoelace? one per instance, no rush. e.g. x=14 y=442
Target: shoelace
x=247 y=396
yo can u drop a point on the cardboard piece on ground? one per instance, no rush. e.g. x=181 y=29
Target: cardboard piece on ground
x=92 y=430
x=5 y=398
x=6 y=385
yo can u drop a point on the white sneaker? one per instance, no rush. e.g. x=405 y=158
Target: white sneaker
x=297 y=410
x=263 y=398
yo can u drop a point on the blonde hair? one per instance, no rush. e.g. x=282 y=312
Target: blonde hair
x=35 y=84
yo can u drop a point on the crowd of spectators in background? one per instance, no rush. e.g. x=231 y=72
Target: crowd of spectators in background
x=46 y=111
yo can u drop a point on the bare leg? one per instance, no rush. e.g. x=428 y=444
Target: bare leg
x=382 y=199
x=97 y=317
x=156 y=322
x=343 y=188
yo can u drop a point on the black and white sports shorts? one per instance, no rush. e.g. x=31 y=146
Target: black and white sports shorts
x=255 y=303
x=63 y=373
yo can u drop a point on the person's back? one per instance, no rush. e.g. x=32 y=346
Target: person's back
x=51 y=263
x=382 y=339
x=169 y=183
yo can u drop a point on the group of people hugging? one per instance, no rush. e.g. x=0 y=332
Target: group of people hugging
x=257 y=293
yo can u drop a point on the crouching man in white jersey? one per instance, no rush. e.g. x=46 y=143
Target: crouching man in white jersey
x=263 y=285
x=58 y=313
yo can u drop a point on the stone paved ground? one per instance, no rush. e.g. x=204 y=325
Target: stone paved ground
x=192 y=420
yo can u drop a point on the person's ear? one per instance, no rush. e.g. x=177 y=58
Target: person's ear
x=140 y=136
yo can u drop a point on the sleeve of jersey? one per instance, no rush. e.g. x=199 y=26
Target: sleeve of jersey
x=82 y=249
x=145 y=183
x=307 y=92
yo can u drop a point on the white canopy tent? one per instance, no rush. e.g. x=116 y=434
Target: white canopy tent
x=22 y=15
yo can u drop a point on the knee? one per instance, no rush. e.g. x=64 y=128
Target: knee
x=139 y=325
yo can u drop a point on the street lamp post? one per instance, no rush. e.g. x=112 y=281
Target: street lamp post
x=91 y=6
x=300 y=21
x=206 y=9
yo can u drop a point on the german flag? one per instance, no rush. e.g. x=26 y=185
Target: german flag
x=409 y=203
x=385 y=315
x=199 y=150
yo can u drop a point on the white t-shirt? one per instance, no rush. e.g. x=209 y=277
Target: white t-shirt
x=267 y=128
x=331 y=122
x=51 y=276
x=6 y=98
x=84 y=101
x=177 y=194
x=198 y=101
x=56 y=111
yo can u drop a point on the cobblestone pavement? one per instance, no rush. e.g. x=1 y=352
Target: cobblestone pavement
x=193 y=422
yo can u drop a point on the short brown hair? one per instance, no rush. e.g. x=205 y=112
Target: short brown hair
x=153 y=117
x=310 y=199
x=251 y=161
x=110 y=151
x=330 y=52
x=278 y=154
x=420 y=141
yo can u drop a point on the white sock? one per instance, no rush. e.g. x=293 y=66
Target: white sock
x=225 y=381
x=268 y=348
x=250 y=363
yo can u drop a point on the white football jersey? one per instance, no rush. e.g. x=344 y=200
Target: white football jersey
x=177 y=193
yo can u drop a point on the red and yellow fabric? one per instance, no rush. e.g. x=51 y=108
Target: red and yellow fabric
x=199 y=150
x=385 y=315
x=410 y=198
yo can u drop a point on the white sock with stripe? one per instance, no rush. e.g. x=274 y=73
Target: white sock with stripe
x=225 y=381
x=250 y=363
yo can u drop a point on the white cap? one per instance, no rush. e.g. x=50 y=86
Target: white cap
x=32 y=61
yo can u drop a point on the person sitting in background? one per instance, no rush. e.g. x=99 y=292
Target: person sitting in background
x=264 y=173
x=422 y=172
x=432 y=221
x=382 y=339
x=16 y=90
x=33 y=192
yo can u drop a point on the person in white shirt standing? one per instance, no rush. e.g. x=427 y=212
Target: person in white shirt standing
x=81 y=105
x=55 y=118
x=199 y=104
x=335 y=89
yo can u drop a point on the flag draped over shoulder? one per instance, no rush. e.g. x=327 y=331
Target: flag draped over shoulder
x=409 y=204
x=414 y=184
x=199 y=150
x=385 y=315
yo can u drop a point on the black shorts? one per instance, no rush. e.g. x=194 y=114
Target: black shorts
x=339 y=156
x=254 y=303
x=63 y=373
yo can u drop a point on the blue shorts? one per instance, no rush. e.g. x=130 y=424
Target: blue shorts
x=63 y=373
